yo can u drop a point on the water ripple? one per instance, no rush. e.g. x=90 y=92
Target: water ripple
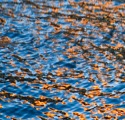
x=62 y=59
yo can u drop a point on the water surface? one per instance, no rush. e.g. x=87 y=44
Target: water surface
x=65 y=60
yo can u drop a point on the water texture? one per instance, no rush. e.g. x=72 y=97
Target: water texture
x=62 y=60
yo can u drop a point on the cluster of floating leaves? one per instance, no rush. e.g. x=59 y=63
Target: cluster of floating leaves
x=62 y=59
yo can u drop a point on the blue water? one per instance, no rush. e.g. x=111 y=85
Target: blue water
x=65 y=60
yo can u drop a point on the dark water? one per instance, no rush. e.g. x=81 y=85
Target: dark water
x=65 y=60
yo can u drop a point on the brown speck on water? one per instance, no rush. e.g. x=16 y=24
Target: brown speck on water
x=4 y=40
x=2 y=21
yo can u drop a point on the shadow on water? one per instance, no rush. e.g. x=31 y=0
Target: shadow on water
x=62 y=59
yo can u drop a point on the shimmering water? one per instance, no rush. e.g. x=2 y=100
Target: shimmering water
x=62 y=60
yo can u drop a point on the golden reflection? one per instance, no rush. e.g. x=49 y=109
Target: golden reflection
x=89 y=37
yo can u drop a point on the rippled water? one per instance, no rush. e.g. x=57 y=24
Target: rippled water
x=65 y=60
